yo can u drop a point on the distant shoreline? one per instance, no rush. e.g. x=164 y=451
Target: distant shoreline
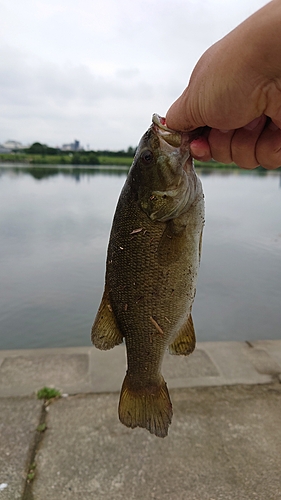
x=84 y=160
x=77 y=159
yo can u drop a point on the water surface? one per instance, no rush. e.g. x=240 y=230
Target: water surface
x=54 y=230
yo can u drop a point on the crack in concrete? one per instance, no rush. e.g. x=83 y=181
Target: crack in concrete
x=38 y=438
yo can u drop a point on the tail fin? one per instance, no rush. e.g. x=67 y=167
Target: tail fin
x=148 y=407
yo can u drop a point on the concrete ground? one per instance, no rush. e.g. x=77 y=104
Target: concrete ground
x=224 y=441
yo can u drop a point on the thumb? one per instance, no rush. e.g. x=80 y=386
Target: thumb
x=179 y=115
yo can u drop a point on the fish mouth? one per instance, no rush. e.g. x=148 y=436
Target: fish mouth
x=160 y=121
x=173 y=141
x=170 y=136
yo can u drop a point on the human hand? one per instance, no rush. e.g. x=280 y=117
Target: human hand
x=235 y=93
x=257 y=143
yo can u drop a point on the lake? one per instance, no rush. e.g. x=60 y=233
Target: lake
x=54 y=230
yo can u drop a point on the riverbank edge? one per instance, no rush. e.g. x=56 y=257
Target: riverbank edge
x=67 y=160
x=75 y=370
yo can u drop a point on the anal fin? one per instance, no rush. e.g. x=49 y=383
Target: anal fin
x=105 y=331
x=184 y=343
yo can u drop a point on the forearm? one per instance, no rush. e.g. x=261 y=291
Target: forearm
x=237 y=79
x=260 y=37
x=233 y=89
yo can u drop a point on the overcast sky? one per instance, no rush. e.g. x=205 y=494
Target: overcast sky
x=96 y=70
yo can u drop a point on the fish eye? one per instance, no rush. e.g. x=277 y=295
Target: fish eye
x=147 y=156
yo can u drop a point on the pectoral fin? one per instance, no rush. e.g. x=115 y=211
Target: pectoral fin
x=105 y=331
x=170 y=249
x=185 y=341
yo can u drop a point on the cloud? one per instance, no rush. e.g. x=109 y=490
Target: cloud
x=96 y=71
x=40 y=94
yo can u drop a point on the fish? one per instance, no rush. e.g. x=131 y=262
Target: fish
x=152 y=265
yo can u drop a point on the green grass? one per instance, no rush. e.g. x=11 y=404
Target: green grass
x=48 y=393
x=49 y=159
x=35 y=159
x=61 y=159
x=31 y=472
x=41 y=427
x=13 y=158
x=116 y=160
x=111 y=161
x=213 y=164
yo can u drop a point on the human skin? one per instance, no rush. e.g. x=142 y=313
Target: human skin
x=235 y=93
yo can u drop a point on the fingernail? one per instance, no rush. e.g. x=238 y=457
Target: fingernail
x=253 y=124
x=198 y=155
x=198 y=152
x=200 y=144
x=224 y=131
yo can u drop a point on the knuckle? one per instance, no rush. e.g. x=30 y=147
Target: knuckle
x=268 y=150
x=220 y=146
x=245 y=156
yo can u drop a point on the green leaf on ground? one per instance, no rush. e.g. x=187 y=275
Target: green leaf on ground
x=41 y=427
x=48 y=393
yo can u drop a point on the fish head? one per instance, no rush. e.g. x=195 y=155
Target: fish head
x=162 y=174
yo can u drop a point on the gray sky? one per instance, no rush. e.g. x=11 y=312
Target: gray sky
x=96 y=70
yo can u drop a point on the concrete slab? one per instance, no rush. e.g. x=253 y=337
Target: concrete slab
x=213 y=363
x=272 y=347
x=86 y=369
x=24 y=372
x=108 y=369
x=263 y=361
x=234 y=364
x=224 y=444
x=19 y=419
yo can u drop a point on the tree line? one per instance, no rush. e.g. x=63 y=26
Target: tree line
x=79 y=157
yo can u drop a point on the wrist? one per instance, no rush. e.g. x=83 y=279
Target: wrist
x=260 y=40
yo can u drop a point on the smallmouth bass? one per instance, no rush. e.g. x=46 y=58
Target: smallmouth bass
x=151 y=270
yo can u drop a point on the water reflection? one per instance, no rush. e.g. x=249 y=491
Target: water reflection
x=38 y=172
x=54 y=228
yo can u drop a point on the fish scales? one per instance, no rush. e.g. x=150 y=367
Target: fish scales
x=152 y=264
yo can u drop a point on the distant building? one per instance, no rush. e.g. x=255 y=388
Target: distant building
x=74 y=146
x=13 y=145
x=4 y=150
